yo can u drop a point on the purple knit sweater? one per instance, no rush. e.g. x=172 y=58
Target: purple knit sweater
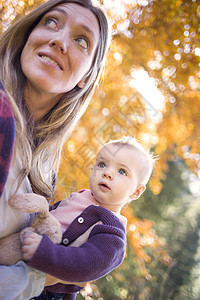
x=103 y=252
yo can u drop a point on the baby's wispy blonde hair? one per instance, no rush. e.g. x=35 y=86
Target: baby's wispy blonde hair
x=148 y=159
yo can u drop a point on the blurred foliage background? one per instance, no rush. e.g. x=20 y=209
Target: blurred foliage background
x=150 y=89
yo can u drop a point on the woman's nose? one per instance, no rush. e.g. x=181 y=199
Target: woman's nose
x=60 y=44
x=108 y=174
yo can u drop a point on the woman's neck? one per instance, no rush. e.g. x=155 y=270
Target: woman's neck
x=39 y=103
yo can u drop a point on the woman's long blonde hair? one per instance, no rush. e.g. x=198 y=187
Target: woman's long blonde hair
x=40 y=143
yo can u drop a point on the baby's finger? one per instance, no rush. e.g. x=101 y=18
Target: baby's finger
x=27 y=241
x=25 y=249
x=29 y=237
x=26 y=253
x=30 y=234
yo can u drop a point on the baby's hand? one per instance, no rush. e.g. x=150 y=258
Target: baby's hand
x=30 y=243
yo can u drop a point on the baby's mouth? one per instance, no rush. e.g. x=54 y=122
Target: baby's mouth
x=104 y=185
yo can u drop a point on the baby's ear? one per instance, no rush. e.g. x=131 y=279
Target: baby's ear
x=139 y=190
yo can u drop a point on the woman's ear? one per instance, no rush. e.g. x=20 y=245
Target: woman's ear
x=139 y=190
x=81 y=84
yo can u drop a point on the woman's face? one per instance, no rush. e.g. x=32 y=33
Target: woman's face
x=60 y=50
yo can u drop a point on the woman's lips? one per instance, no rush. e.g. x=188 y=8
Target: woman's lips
x=51 y=59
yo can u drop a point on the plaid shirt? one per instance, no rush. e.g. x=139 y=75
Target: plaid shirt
x=7 y=137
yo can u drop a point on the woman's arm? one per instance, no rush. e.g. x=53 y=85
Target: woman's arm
x=20 y=281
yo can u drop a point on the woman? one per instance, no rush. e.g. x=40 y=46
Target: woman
x=51 y=60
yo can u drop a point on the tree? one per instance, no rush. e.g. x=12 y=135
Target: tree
x=161 y=38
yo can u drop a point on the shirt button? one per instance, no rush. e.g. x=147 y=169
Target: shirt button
x=65 y=241
x=80 y=220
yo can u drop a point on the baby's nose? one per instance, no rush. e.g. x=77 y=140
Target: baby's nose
x=107 y=175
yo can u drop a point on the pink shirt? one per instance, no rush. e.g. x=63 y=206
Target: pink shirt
x=73 y=206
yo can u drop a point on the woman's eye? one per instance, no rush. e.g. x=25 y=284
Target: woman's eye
x=122 y=172
x=51 y=23
x=82 y=42
x=102 y=165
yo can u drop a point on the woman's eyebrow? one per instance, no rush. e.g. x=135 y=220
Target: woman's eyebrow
x=66 y=14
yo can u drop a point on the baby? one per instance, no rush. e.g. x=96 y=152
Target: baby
x=91 y=221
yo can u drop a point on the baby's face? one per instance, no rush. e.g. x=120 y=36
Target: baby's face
x=114 y=178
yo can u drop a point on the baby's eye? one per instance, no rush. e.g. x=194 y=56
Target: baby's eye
x=122 y=172
x=101 y=164
x=50 y=22
x=83 y=42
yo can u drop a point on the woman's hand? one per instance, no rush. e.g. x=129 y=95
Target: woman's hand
x=30 y=243
x=50 y=280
